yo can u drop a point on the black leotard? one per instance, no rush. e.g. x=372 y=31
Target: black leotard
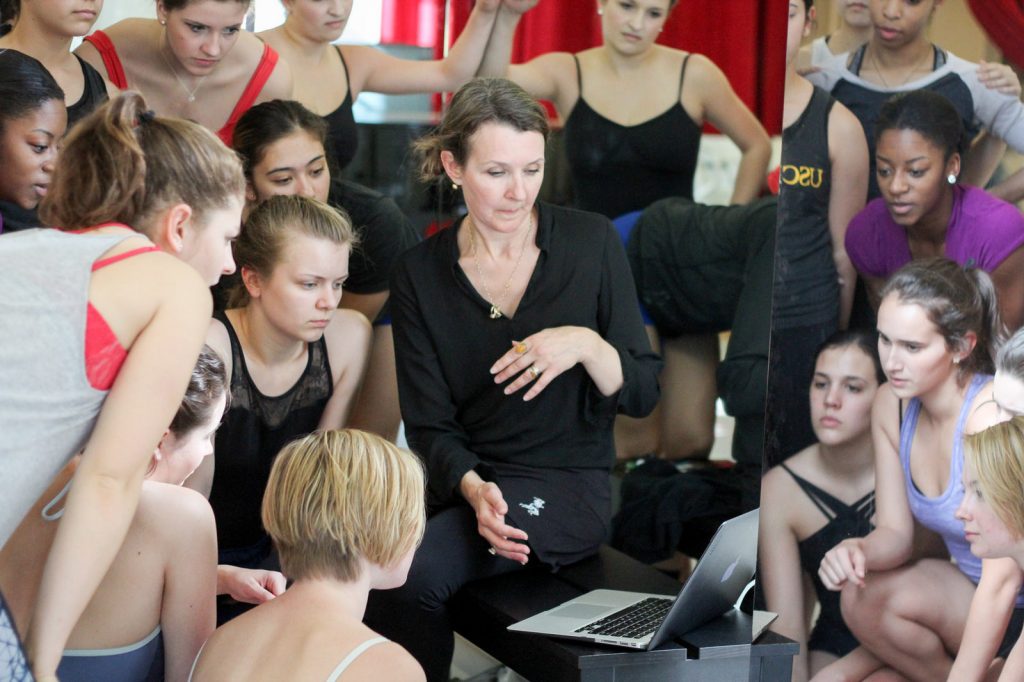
x=93 y=94
x=844 y=521
x=255 y=429
x=342 y=137
x=618 y=169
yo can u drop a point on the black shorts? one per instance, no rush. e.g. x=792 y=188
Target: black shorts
x=1012 y=633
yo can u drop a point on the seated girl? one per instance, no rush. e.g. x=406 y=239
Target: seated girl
x=937 y=328
x=992 y=509
x=155 y=606
x=922 y=210
x=294 y=361
x=284 y=147
x=345 y=510
x=837 y=483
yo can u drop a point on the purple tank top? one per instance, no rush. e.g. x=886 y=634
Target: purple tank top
x=936 y=513
x=982 y=229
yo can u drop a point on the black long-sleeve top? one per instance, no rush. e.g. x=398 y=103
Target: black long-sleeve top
x=456 y=418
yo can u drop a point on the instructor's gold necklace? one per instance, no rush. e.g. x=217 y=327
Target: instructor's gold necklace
x=496 y=305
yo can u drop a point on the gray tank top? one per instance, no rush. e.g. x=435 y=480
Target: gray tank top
x=47 y=406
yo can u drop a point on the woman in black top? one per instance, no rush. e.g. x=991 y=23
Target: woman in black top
x=517 y=339
x=284 y=147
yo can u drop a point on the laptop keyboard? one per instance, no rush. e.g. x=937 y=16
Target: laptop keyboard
x=634 y=622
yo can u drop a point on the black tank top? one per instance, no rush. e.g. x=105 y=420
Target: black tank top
x=865 y=103
x=618 y=169
x=255 y=429
x=93 y=95
x=342 y=137
x=843 y=521
x=806 y=288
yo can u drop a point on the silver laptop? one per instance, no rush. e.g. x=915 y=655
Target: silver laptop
x=644 y=621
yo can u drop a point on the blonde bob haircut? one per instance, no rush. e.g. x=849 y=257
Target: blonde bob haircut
x=335 y=497
x=271 y=226
x=996 y=457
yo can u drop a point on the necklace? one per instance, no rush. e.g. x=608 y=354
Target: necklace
x=190 y=93
x=495 y=312
x=907 y=77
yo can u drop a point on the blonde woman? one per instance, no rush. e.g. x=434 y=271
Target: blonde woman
x=992 y=509
x=346 y=512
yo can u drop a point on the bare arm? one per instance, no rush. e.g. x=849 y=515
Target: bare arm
x=550 y=76
x=779 y=559
x=1008 y=279
x=499 y=47
x=720 y=106
x=848 y=150
x=348 y=346
x=982 y=159
x=373 y=70
x=892 y=542
x=189 y=613
x=990 y=611
x=103 y=498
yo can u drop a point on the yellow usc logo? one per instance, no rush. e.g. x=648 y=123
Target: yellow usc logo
x=801 y=176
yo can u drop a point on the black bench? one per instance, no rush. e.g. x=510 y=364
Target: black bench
x=718 y=652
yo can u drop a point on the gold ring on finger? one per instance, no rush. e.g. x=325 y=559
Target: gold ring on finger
x=520 y=347
x=534 y=372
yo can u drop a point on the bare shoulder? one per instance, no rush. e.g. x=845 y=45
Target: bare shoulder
x=703 y=70
x=844 y=128
x=280 y=84
x=129 y=35
x=885 y=412
x=218 y=340
x=177 y=514
x=348 y=331
x=778 y=486
x=983 y=411
x=386 y=662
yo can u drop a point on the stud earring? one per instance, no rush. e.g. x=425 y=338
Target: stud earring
x=951 y=179
x=163 y=22
x=956 y=361
x=600 y=11
x=455 y=186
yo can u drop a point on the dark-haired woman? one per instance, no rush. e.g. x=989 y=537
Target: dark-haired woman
x=924 y=210
x=155 y=606
x=899 y=57
x=45 y=30
x=295 y=362
x=32 y=121
x=938 y=328
x=633 y=113
x=518 y=339
x=822 y=494
x=108 y=328
x=330 y=77
x=284 y=149
x=193 y=61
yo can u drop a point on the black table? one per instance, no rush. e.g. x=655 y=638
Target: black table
x=717 y=652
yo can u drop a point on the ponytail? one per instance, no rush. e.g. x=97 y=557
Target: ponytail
x=124 y=164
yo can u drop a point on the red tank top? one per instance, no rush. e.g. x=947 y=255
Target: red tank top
x=115 y=73
x=104 y=354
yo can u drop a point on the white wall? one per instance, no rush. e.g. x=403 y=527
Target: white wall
x=116 y=10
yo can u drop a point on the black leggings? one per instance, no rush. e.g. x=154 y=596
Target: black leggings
x=416 y=615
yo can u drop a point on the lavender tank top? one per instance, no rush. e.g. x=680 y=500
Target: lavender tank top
x=936 y=513
x=47 y=406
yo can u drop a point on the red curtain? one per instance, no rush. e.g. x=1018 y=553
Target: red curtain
x=1003 y=20
x=745 y=38
x=412 y=22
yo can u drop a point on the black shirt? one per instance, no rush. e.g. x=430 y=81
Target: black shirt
x=806 y=290
x=384 y=233
x=455 y=416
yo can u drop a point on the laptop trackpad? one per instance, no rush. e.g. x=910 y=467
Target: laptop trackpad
x=583 y=611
